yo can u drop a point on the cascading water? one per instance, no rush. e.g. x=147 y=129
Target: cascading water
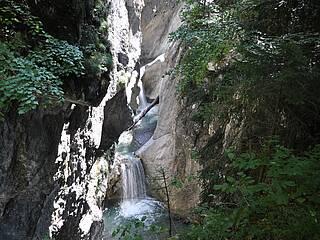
x=132 y=172
x=135 y=203
x=142 y=97
x=85 y=179
x=133 y=179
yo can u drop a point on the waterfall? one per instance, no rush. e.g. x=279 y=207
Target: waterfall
x=135 y=203
x=143 y=103
x=132 y=172
x=133 y=179
x=125 y=40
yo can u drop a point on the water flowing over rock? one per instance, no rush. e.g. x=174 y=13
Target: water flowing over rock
x=88 y=172
x=169 y=143
x=133 y=179
x=133 y=202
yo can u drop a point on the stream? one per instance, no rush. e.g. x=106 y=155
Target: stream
x=135 y=202
x=83 y=179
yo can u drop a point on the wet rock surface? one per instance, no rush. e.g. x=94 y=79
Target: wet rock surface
x=171 y=145
x=27 y=155
x=29 y=145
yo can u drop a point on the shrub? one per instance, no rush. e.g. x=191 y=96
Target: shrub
x=270 y=195
x=33 y=64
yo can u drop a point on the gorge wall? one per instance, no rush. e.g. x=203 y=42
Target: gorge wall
x=171 y=145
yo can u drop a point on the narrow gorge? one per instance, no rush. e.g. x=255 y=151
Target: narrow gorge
x=159 y=119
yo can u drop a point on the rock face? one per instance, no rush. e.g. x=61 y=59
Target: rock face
x=30 y=199
x=170 y=148
x=27 y=155
x=172 y=142
x=159 y=19
x=169 y=143
x=83 y=151
x=80 y=22
x=117 y=119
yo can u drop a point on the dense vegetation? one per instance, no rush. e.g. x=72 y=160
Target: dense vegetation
x=282 y=202
x=252 y=63
x=33 y=64
x=256 y=65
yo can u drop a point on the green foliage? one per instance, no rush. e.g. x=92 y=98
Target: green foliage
x=242 y=61
x=158 y=229
x=23 y=81
x=16 y=17
x=58 y=57
x=176 y=182
x=47 y=237
x=255 y=64
x=95 y=45
x=131 y=230
x=96 y=63
x=33 y=64
x=270 y=195
x=37 y=77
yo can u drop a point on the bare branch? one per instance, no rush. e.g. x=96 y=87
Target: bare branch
x=144 y=112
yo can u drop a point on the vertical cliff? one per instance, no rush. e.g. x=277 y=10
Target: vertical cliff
x=172 y=143
x=28 y=151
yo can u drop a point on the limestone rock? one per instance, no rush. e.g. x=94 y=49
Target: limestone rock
x=170 y=148
x=29 y=143
x=171 y=145
x=159 y=19
x=117 y=119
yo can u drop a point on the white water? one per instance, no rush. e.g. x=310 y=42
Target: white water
x=135 y=203
x=133 y=179
x=123 y=40
x=142 y=96
x=134 y=200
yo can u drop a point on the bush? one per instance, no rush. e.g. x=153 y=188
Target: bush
x=33 y=64
x=270 y=195
x=243 y=62
x=255 y=63
x=37 y=77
